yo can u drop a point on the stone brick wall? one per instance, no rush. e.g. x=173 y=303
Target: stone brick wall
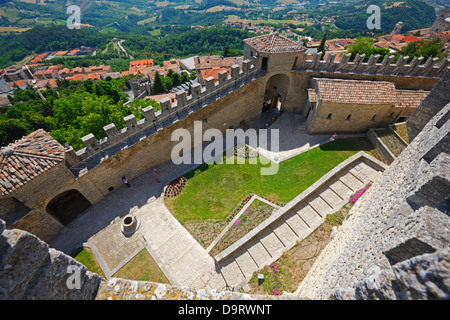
x=435 y=101
x=360 y=117
x=407 y=203
x=38 y=192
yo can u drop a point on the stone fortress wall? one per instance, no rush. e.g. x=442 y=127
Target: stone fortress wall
x=393 y=246
x=144 y=144
x=234 y=99
x=402 y=218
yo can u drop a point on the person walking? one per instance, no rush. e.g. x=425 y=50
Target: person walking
x=125 y=180
x=155 y=174
x=333 y=137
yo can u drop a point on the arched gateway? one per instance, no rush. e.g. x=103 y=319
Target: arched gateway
x=67 y=206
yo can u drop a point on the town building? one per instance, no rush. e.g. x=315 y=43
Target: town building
x=342 y=106
x=17 y=72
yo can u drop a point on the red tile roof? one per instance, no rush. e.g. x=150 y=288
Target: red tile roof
x=410 y=98
x=364 y=92
x=213 y=72
x=355 y=91
x=208 y=62
x=411 y=38
x=145 y=62
x=274 y=43
x=27 y=158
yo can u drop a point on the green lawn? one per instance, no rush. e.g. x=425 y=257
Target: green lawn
x=85 y=256
x=142 y=268
x=215 y=190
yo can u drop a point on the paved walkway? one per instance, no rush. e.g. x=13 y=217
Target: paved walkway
x=182 y=259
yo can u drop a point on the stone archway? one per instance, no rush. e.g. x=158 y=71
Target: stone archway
x=67 y=206
x=275 y=94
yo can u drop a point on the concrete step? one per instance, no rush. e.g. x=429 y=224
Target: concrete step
x=298 y=123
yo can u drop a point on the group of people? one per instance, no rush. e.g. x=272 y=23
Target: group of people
x=154 y=172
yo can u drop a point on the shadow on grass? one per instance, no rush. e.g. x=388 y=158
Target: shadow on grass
x=350 y=144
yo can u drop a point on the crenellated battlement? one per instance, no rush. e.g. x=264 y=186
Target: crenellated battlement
x=202 y=95
x=170 y=112
x=418 y=66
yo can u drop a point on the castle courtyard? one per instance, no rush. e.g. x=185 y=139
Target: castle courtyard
x=180 y=257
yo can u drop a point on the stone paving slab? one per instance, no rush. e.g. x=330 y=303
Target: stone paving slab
x=231 y=272
x=297 y=224
x=258 y=252
x=339 y=188
x=331 y=198
x=284 y=233
x=309 y=215
x=349 y=180
x=114 y=246
x=271 y=242
x=246 y=263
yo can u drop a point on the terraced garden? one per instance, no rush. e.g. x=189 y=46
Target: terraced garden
x=213 y=194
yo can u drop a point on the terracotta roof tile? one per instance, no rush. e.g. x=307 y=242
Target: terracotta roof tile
x=355 y=91
x=365 y=92
x=27 y=158
x=274 y=43
x=410 y=98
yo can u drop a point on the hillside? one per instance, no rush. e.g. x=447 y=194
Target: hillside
x=139 y=15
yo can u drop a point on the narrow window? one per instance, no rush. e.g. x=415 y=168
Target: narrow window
x=349 y=117
x=329 y=116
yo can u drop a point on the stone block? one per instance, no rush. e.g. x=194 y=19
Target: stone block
x=181 y=98
x=131 y=122
x=111 y=132
x=91 y=143
x=235 y=69
x=149 y=114
x=210 y=84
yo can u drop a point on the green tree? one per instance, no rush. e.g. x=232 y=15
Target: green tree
x=158 y=86
x=226 y=51
x=12 y=129
x=321 y=47
x=364 y=45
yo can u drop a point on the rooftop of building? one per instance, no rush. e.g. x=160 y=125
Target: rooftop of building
x=213 y=72
x=274 y=43
x=365 y=92
x=208 y=62
x=27 y=158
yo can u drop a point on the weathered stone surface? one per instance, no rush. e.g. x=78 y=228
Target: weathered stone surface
x=424 y=277
x=383 y=220
x=121 y=289
x=29 y=269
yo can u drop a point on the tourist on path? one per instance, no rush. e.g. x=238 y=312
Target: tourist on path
x=125 y=180
x=155 y=174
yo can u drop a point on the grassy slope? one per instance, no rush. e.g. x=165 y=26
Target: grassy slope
x=218 y=189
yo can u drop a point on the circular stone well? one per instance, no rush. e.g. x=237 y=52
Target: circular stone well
x=130 y=224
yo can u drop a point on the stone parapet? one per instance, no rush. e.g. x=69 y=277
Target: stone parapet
x=169 y=113
x=417 y=67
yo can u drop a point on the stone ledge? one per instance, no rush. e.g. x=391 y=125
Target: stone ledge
x=122 y=289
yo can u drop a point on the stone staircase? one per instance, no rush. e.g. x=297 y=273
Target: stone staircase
x=294 y=222
x=298 y=123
